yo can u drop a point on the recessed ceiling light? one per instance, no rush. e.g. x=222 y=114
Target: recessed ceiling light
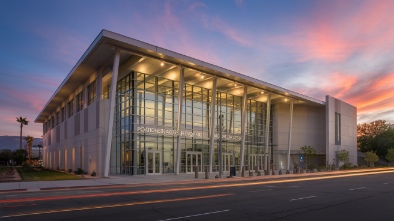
x=162 y=64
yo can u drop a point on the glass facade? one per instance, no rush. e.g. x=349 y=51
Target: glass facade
x=145 y=127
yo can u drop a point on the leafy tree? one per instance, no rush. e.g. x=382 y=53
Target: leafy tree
x=5 y=156
x=19 y=156
x=343 y=156
x=371 y=158
x=309 y=153
x=22 y=121
x=390 y=155
x=372 y=129
x=377 y=136
x=29 y=141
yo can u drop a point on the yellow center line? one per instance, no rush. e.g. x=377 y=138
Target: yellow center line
x=115 y=205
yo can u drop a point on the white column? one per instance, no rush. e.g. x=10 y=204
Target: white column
x=111 y=111
x=180 y=104
x=212 y=126
x=243 y=125
x=267 y=131
x=290 y=129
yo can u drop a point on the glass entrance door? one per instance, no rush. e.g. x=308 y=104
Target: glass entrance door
x=153 y=162
x=255 y=160
x=193 y=158
x=228 y=161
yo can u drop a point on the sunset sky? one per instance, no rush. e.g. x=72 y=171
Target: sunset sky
x=341 y=48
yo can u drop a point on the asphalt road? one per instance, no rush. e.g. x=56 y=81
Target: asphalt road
x=362 y=197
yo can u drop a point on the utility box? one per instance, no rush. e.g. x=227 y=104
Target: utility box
x=232 y=171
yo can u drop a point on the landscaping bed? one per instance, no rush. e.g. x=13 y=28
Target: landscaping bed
x=42 y=174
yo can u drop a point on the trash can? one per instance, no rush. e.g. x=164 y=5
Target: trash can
x=232 y=171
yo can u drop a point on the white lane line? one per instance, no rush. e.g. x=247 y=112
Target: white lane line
x=259 y=190
x=308 y=197
x=201 y=214
x=357 y=188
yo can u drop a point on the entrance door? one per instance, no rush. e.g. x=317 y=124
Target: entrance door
x=255 y=160
x=153 y=162
x=193 y=158
x=228 y=161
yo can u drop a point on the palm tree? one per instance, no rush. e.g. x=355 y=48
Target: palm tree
x=22 y=121
x=29 y=141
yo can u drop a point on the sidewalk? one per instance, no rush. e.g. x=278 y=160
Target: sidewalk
x=115 y=180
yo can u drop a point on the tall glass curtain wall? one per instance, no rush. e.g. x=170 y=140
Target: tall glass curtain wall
x=146 y=101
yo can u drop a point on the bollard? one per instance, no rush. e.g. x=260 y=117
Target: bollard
x=243 y=171
x=206 y=172
x=280 y=172
x=250 y=173
x=287 y=171
x=195 y=171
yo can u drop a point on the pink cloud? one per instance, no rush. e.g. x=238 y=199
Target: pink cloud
x=232 y=33
x=64 y=44
x=335 y=34
x=239 y=2
x=196 y=5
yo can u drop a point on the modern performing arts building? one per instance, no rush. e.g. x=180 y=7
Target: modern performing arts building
x=128 y=107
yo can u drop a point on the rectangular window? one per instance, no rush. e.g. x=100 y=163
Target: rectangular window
x=106 y=92
x=63 y=114
x=79 y=101
x=92 y=92
x=337 y=129
x=57 y=118
x=70 y=107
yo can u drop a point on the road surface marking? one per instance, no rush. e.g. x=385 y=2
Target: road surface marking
x=259 y=190
x=113 y=205
x=191 y=188
x=308 y=197
x=201 y=214
x=357 y=188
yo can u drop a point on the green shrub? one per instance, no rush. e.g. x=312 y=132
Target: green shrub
x=346 y=166
x=79 y=171
x=70 y=170
x=93 y=173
